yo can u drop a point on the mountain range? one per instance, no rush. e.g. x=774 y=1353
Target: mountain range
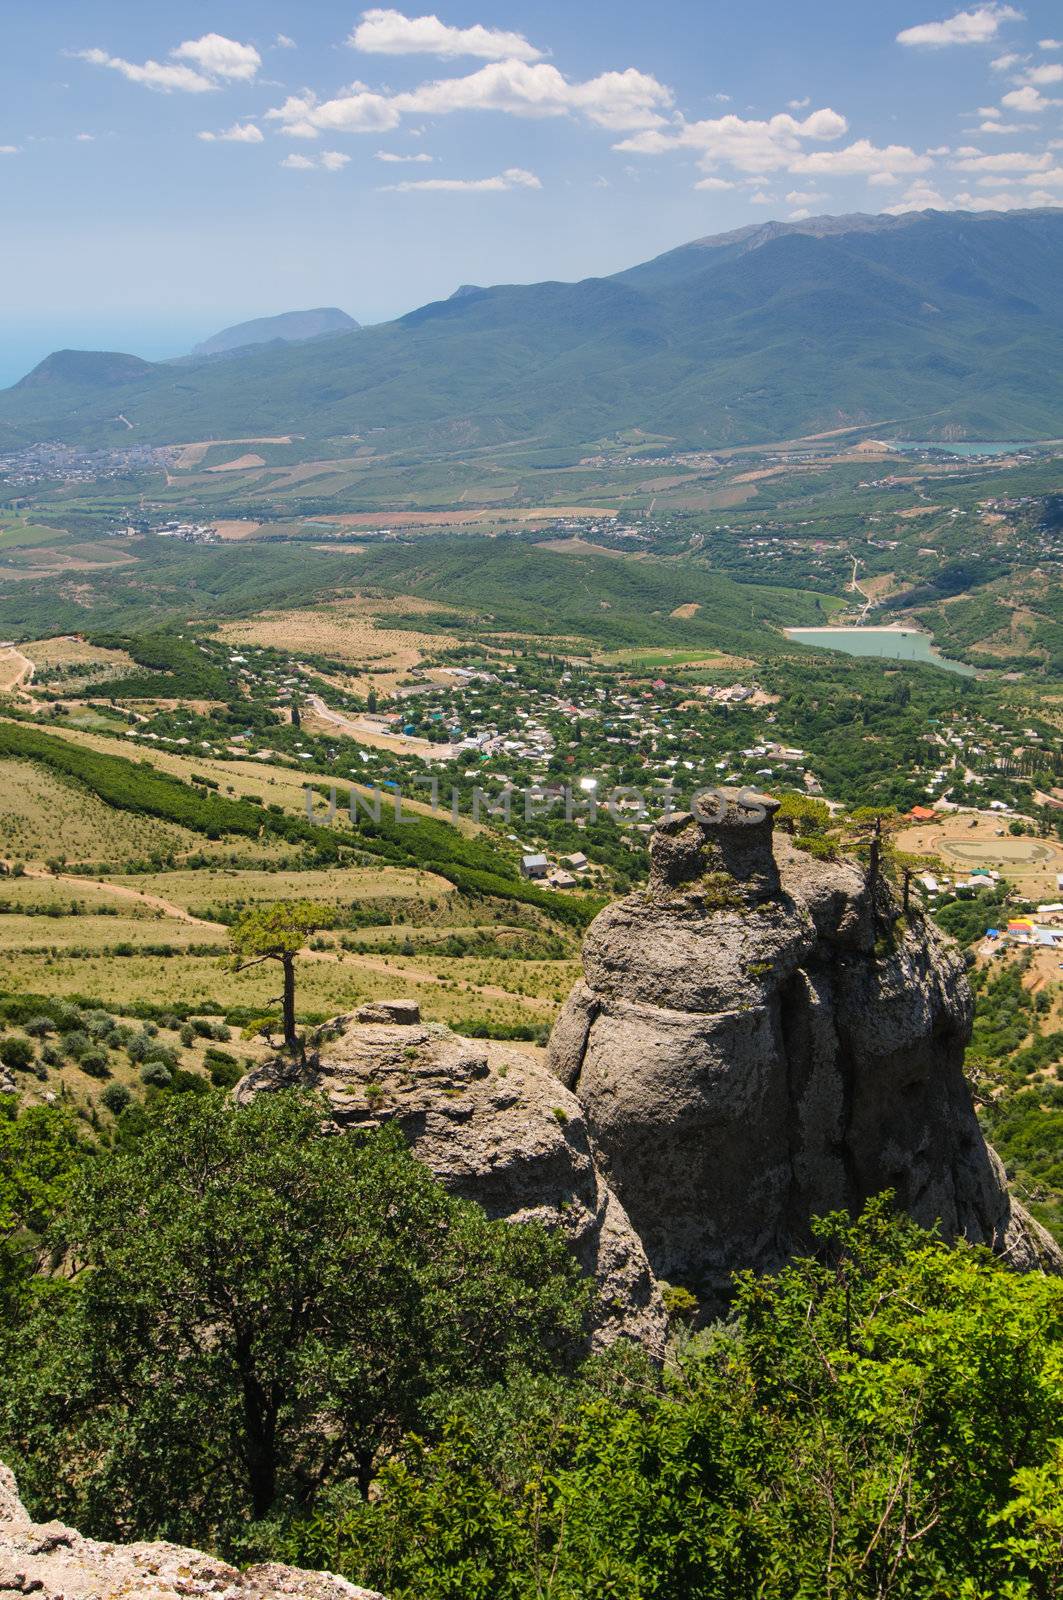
x=927 y=325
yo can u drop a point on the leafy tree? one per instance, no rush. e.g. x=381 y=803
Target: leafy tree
x=277 y=933
x=264 y=1309
x=41 y=1152
x=881 y=1422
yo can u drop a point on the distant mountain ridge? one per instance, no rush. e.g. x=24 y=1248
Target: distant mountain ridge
x=933 y=323
x=290 y=326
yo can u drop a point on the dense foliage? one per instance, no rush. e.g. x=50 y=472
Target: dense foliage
x=258 y=1311
x=239 y=1323
x=883 y=1421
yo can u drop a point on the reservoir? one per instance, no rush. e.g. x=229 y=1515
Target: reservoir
x=897 y=644
x=967 y=447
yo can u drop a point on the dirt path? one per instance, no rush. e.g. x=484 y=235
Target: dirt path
x=13 y=676
x=122 y=891
x=856 y=589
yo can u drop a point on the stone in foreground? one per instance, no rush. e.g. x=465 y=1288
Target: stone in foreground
x=53 y=1562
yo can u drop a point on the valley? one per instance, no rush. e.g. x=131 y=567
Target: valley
x=355 y=684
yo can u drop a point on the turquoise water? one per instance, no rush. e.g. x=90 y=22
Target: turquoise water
x=896 y=644
x=962 y=447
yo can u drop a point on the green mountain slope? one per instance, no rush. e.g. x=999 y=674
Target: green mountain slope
x=931 y=322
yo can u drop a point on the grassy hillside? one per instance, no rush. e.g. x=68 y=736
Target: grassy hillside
x=947 y=322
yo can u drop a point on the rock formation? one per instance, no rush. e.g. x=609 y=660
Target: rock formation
x=53 y=1562
x=763 y=1038
x=760 y=1037
x=495 y=1126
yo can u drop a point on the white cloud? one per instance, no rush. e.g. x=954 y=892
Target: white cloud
x=1027 y=100
x=1005 y=63
x=1002 y=127
x=761 y=199
x=214 y=58
x=389 y=155
x=800 y=215
x=920 y=196
x=629 y=99
x=84 y=138
x=163 y=76
x=804 y=197
x=327 y=161
x=220 y=57
x=883 y=180
x=9 y=149
x=1051 y=72
x=389 y=33
x=713 y=183
x=966 y=27
x=799 y=105
x=512 y=178
x=750 y=146
x=617 y=100
x=1002 y=161
x=283 y=42
x=239 y=133
x=862 y=157
x=1050 y=44
x=1053 y=175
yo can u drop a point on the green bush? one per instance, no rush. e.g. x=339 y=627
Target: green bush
x=116 y=1097
x=75 y=1043
x=96 y=1063
x=16 y=1052
x=156 y=1074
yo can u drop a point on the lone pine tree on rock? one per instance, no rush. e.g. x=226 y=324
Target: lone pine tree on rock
x=277 y=932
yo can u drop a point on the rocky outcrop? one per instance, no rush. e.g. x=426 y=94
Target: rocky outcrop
x=495 y=1126
x=761 y=1037
x=53 y=1562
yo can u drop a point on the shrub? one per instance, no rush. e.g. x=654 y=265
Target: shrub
x=96 y=1063
x=100 y=1024
x=40 y=1026
x=226 y=1074
x=75 y=1043
x=185 y=1082
x=156 y=1075
x=16 y=1052
x=116 y=1097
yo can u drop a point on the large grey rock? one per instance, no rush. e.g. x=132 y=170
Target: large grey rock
x=755 y=1043
x=495 y=1126
x=54 y=1562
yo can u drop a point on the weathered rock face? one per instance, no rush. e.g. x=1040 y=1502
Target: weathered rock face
x=53 y=1562
x=495 y=1126
x=755 y=1043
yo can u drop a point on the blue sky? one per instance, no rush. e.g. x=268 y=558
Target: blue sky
x=167 y=170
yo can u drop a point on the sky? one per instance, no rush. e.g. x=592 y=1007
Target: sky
x=167 y=171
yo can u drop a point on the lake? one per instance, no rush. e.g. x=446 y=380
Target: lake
x=896 y=644
x=965 y=447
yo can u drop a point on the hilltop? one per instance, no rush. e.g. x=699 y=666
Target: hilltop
x=933 y=324
x=290 y=327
